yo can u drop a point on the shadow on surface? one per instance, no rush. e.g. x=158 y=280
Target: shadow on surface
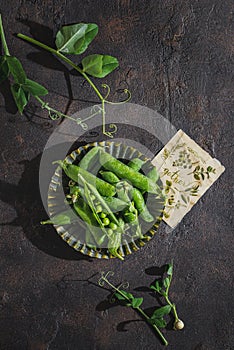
x=26 y=200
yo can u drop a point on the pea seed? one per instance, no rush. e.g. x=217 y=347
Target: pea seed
x=102 y=215
x=92 y=197
x=99 y=209
x=106 y=221
x=113 y=226
x=110 y=231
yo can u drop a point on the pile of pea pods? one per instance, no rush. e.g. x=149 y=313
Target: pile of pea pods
x=109 y=197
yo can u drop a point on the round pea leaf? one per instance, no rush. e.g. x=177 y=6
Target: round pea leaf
x=34 y=88
x=99 y=66
x=75 y=38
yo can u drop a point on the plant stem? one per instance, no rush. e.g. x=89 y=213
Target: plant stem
x=173 y=307
x=140 y=311
x=65 y=59
x=153 y=325
x=2 y=35
x=168 y=300
x=50 y=109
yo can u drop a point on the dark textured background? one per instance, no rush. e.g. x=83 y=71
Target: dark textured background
x=177 y=58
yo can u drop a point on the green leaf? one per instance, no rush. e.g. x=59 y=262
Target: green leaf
x=159 y=322
x=34 y=88
x=136 y=302
x=157 y=286
x=16 y=69
x=4 y=69
x=99 y=66
x=159 y=313
x=169 y=269
x=125 y=295
x=166 y=282
x=75 y=38
x=21 y=97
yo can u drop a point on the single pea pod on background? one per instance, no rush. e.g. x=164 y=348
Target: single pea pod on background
x=140 y=205
x=124 y=172
x=72 y=172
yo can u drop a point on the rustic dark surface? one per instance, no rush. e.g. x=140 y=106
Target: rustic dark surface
x=177 y=58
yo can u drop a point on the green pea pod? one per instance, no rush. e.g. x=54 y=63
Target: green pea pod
x=84 y=212
x=141 y=206
x=72 y=172
x=153 y=174
x=89 y=158
x=115 y=240
x=99 y=198
x=122 y=189
x=109 y=176
x=125 y=172
x=89 y=239
x=115 y=204
x=65 y=218
x=136 y=163
x=95 y=237
x=129 y=217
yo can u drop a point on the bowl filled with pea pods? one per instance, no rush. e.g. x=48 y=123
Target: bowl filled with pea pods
x=105 y=200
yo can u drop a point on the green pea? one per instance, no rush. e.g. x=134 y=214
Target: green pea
x=102 y=215
x=106 y=221
x=113 y=226
x=99 y=209
x=110 y=231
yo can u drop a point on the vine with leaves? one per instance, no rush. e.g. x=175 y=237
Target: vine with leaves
x=70 y=40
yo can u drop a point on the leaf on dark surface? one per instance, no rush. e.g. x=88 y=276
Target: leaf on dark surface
x=159 y=313
x=4 y=69
x=21 y=97
x=99 y=66
x=124 y=296
x=34 y=88
x=169 y=269
x=16 y=69
x=166 y=282
x=136 y=302
x=159 y=322
x=75 y=38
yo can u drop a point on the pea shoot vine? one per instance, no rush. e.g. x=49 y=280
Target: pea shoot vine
x=72 y=39
x=160 y=286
